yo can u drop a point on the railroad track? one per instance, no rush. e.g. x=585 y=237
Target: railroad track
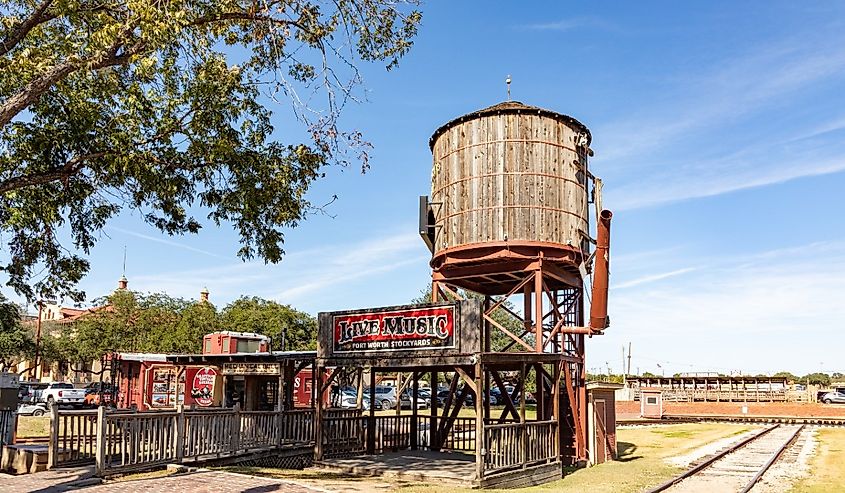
x=739 y=467
x=785 y=420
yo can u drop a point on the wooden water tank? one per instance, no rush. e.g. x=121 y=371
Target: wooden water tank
x=510 y=174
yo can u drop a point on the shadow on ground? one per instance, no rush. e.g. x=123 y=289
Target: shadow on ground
x=625 y=452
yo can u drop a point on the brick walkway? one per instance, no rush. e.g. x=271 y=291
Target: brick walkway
x=195 y=482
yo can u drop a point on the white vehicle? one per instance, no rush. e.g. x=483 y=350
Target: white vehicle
x=39 y=409
x=61 y=393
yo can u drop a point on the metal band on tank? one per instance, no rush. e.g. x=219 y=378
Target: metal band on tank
x=488 y=175
x=538 y=207
x=507 y=141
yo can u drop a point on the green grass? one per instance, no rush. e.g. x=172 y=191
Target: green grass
x=641 y=464
x=33 y=426
x=827 y=470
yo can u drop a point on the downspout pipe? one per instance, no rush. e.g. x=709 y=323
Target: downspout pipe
x=601 y=269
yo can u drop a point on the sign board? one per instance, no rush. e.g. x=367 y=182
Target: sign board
x=202 y=387
x=251 y=369
x=418 y=328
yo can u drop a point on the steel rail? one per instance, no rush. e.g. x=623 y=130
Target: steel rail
x=771 y=461
x=677 y=479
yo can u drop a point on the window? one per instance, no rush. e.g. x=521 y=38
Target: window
x=208 y=346
x=651 y=400
x=247 y=345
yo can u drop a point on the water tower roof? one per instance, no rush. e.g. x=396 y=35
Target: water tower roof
x=512 y=107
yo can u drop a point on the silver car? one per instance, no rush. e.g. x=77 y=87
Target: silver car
x=834 y=397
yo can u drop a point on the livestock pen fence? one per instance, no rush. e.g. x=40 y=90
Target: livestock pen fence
x=119 y=441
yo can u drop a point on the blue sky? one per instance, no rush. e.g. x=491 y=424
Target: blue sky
x=718 y=130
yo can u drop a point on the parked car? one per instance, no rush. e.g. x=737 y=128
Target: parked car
x=27 y=391
x=423 y=402
x=443 y=394
x=98 y=393
x=61 y=393
x=385 y=395
x=37 y=409
x=350 y=401
x=834 y=397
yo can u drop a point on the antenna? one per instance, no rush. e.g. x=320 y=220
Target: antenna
x=124 y=260
x=508 y=82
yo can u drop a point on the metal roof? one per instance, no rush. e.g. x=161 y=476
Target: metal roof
x=271 y=357
x=511 y=107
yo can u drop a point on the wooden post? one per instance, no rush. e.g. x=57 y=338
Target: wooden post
x=480 y=450
x=318 y=412
x=415 y=390
x=556 y=410
x=179 y=439
x=398 y=394
x=432 y=421
x=100 y=458
x=53 y=447
x=359 y=391
x=523 y=442
x=371 y=419
x=236 y=429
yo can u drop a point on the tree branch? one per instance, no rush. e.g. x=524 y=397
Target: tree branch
x=21 y=30
x=29 y=94
x=53 y=174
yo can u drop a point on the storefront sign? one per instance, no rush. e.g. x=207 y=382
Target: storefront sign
x=417 y=328
x=251 y=368
x=202 y=388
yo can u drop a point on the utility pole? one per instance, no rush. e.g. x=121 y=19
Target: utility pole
x=624 y=373
x=629 y=358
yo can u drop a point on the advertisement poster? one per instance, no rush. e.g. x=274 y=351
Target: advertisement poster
x=202 y=388
x=402 y=330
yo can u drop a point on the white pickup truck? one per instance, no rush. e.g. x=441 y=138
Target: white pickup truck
x=61 y=393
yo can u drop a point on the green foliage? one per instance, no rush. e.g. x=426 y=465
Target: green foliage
x=159 y=107
x=822 y=379
x=298 y=330
x=15 y=339
x=788 y=375
x=158 y=323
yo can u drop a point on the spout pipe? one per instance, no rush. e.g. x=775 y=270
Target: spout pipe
x=601 y=269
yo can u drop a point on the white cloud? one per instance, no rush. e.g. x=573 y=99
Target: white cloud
x=304 y=278
x=692 y=140
x=567 y=24
x=775 y=310
x=652 y=278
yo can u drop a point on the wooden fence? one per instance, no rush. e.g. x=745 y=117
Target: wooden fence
x=73 y=437
x=119 y=441
x=519 y=445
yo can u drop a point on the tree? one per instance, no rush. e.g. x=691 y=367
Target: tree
x=159 y=107
x=286 y=326
x=788 y=375
x=822 y=379
x=15 y=339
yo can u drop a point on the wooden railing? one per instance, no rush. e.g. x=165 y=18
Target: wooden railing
x=344 y=432
x=519 y=445
x=297 y=426
x=120 y=441
x=137 y=440
x=462 y=435
x=72 y=437
x=393 y=433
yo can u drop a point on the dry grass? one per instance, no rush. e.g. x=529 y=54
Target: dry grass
x=642 y=452
x=33 y=426
x=827 y=471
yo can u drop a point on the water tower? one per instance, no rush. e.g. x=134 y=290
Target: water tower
x=509 y=218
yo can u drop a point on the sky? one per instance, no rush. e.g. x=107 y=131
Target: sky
x=718 y=130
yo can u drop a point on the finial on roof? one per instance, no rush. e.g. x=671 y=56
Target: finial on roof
x=508 y=82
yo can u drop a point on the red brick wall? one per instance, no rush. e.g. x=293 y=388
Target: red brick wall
x=627 y=410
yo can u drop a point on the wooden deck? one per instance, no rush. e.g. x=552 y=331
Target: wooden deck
x=410 y=465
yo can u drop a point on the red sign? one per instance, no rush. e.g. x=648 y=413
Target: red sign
x=397 y=330
x=202 y=389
